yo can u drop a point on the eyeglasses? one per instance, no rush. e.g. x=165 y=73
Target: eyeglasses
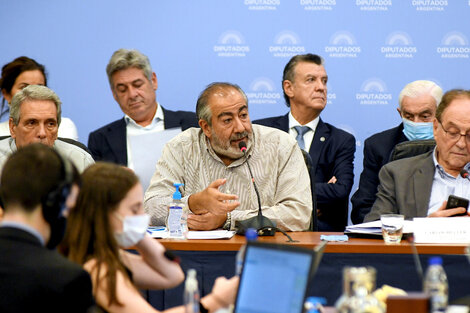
x=454 y=135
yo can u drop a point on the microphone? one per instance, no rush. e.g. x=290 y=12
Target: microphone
x=263 y=225
x=417 y=261
x=464 y=173
x=467 y=253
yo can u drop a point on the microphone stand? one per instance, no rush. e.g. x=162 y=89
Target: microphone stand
x=263 y=225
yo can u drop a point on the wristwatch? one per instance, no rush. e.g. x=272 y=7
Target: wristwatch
x=228 y=221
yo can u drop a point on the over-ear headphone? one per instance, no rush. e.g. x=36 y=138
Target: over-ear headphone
x=54 y=201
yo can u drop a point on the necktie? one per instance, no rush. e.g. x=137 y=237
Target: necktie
x=301 y=130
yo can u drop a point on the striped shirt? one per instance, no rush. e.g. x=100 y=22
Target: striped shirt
x=278 y=168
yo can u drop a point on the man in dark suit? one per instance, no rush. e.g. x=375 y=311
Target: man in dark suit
x=420 y=186
x=133 y=84
x=417 y=107
x=331 y=149
x=37 y=187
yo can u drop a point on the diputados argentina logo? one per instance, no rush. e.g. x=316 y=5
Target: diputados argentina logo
x=262 y=92
x=454 y=46
x=262 y=5
x=374 y=5
x=286 y=44
x=398 y=45
x=343 y=45
x=231 y=44
x=318 y=5
x=429 y=5
x=330 y=95
x=374 y=92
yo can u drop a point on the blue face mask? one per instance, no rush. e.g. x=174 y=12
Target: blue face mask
x=417 y=131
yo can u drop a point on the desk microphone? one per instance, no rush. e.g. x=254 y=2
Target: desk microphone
x=417 y=261
x=465 y=174
x=467 y=252
x=263 y=225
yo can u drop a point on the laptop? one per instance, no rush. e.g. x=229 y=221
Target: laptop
x=275 y=277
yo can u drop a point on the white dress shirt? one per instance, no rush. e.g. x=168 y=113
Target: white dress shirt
x=308 y=136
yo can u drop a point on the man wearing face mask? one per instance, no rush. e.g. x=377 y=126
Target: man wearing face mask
x=38 y=186
x=417 y=107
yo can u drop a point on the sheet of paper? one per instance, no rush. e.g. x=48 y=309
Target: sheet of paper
x=211 y=234
x=161 y=232
x=145 y=159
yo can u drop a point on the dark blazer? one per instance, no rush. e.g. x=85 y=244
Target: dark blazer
x=109 y=143
x=35 y=279
x=405 y=187
x=377 y=150
x=332 y=153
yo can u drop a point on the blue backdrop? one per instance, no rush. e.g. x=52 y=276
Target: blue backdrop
x=372 y=49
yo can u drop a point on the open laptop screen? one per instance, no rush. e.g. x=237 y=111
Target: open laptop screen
x=274 y=279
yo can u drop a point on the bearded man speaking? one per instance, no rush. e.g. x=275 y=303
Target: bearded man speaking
x=218 y=188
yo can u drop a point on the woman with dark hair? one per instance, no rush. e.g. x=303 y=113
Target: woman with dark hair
x=108 y=217
x=16 y=75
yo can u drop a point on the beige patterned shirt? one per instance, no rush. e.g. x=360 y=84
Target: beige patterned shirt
x=278 y=168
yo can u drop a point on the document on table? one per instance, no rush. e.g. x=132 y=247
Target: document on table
x=375 y=228
x=161 y=232
x=211 y=234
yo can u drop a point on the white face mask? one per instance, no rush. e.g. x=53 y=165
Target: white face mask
x=134 y=229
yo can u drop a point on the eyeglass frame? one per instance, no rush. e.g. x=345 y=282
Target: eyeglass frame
x=453 y=136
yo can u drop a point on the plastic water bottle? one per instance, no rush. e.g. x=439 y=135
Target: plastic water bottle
x=177 y=216
x=191 y=293
x=251 y=235
x=435 y=284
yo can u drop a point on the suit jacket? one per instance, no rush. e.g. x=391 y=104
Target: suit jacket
x=332 y=152
x=109 y=143
x=405 y=187
x=377 y=150
x=35 y=279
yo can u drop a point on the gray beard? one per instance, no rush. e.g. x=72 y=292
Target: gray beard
x=226 y=150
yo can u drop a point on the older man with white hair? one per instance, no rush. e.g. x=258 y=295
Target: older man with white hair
x=417 y=107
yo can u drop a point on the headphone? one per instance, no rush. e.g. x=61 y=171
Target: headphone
x=53 y=203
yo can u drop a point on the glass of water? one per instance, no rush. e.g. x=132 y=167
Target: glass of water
x=392 y=227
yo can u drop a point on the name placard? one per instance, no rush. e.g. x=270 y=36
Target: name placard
x=441 y=229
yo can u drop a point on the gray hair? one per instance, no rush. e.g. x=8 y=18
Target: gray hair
x=33 y=92
x=203 y=111
x=123 y=59
x=420 y=88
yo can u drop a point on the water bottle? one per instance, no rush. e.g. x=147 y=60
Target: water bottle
x=251 y=235
x=191 y=293
x=435 y=284
x=177 y=216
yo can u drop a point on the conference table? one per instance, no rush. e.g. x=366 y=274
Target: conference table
x=394 y=263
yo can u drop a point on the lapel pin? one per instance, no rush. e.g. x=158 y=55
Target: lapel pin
x=322 y=139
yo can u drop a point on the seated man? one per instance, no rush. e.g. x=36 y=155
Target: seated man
x=417 y=107
x=137 y=139
x=35 y=114
x=331 y=149
x=217 y=184
x=419 y=186
x=36 y=186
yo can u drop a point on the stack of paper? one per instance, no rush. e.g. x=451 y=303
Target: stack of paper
x=374 y=228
